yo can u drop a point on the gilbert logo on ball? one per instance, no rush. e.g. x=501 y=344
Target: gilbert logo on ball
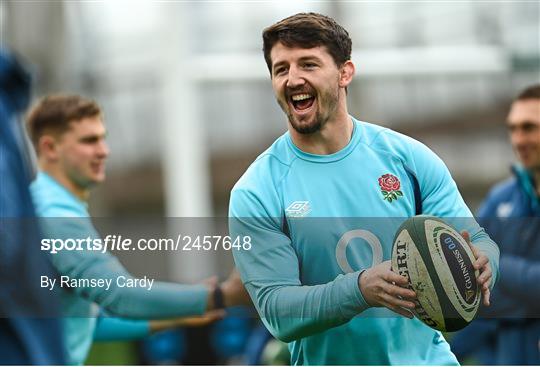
x=438 y=263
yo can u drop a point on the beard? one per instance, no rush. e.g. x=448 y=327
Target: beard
x=529 y=157
x=310 y=128
x=327 y=101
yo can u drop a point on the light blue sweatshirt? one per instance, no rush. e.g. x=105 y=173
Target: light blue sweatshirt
x=316 y=221
x=65 y=216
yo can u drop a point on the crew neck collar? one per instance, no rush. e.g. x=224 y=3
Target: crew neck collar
x=52 y=181
x=526 y=180
x=325 y=158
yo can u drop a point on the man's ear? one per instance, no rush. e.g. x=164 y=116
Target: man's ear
x=48 y=147
x=346 y=73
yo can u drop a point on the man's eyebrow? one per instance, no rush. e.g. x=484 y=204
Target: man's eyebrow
x=93 y=136
x=90 y=136
x=310 y=58
x=301 y=59
x=522 y=123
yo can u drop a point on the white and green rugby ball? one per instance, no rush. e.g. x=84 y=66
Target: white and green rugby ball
x=438 y=263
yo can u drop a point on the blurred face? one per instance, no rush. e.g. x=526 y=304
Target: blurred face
x=82 y=152
x=524 y=127
x=306 y=85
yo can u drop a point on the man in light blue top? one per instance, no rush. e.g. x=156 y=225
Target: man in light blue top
x=322 y=205
x=69 y=137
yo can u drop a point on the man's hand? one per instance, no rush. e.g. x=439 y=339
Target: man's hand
x=481 y=264
x=234 y=292
x=381 y=287
x=195 y=321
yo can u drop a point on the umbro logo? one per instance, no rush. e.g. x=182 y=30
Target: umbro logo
x=298 y=209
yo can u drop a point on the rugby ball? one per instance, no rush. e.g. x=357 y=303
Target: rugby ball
x=438 y=263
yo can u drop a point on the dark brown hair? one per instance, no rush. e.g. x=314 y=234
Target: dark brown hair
x=531 y=92
x=308 y=30
x=53 y=115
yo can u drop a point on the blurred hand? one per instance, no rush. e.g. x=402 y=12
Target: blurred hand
x=207 y=318
x=481 y=264
x=195 y=321
x=381 y=287
x=234 y=292
x=211 y=282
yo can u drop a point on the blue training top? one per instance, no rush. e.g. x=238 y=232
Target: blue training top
x=67 y=217
x=316 y=221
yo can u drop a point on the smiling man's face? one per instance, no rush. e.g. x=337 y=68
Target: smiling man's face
x=306 y=85
x=524 y=126
x=82 y=152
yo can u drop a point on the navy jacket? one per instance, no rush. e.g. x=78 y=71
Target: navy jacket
x=509 y=332
x=28 y=333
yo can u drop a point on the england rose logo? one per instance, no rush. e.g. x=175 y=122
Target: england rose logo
x=390 y=186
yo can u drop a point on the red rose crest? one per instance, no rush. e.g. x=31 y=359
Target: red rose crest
x=390 y=186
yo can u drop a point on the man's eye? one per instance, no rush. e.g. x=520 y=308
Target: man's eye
x=530 y=127
x=279 y=71
x=91 y=140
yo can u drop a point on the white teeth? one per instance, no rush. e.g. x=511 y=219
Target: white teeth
x=301 y=97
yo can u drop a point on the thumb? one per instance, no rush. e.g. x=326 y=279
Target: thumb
x=466 y=236
x=212 y=281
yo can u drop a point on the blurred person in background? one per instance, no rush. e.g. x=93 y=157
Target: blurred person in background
x=509 y=333
x=68 y=134
x=331 y=165
x=29 y=331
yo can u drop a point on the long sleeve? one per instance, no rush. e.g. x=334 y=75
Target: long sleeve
x=270 y=271
x=163 y=300
x=120 y=329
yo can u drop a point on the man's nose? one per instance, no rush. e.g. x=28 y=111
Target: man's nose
x=103 y=149
x=295 y=78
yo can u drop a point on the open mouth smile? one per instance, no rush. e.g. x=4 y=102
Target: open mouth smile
x=302 y=102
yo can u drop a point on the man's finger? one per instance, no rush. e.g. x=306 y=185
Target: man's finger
x=486 y=284
x=466 y=236
x=487 y=294
x=481 y=262
x=399 y=310
x=484 y=276
x=480 y=259
x=396 y=302
x=397 y=291
x=211 y=281
x=392 y=277
x=207 y=318
x=477 y=254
